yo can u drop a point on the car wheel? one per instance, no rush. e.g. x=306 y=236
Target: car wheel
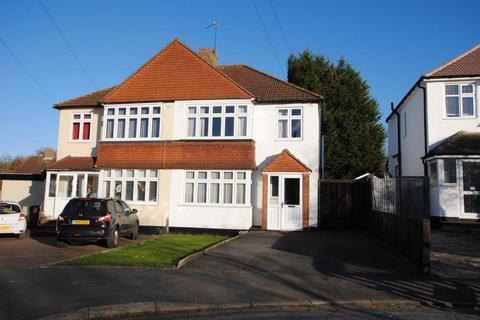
x=112 y=241
x=62 y=244
x=21 y=236
x=134 y=234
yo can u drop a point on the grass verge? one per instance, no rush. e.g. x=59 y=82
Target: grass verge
x=161 y=252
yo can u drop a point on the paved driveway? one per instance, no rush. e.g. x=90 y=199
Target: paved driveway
x=36 y=251
x=258 y=267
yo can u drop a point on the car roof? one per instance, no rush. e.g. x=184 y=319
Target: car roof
x=10 y=202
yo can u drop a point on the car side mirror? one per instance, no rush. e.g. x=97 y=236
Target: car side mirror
x=134 y=210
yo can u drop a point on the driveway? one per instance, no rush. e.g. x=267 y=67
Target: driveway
x=456 y=253
x=258 y=267
x=36 y=251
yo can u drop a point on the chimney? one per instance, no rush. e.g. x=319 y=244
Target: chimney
x=48 y=154
x=209 y=55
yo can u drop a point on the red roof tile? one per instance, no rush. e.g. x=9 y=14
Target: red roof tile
x=238 y=154
x=266 y=88
x=465 y=65
x=33 y=165
x=73 y=163
x=89 y=100
x=286 y=162
x=176 y=73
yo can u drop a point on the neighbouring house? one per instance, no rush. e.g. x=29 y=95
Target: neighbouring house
x=189 y=143
x=435 y=131
x=26 y=185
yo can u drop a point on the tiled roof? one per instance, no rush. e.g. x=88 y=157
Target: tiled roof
x=89 y=100
x=215 y=154
x=33 y=165
x=176 y=73
x=266 y=88
x=462 y=143
x=465 y=65
x=73 y=163
x=286 y=162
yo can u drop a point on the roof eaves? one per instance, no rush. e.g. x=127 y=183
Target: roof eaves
x=431 y=73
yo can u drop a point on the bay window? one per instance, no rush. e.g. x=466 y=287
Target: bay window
x=131 y=185
x=217 y=187
x=289 y=123
x=132 y=123
x=460 y=100
x=81 y=126
x=227 y=121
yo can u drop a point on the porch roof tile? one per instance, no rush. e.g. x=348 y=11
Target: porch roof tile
x=180 y=154
x=286 y=162
x=73 y=164
x=462 y=143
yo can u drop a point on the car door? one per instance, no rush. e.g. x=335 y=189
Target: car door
x=122 y=217
x=129 y=217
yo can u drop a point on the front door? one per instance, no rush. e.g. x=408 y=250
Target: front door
x=285 y=203
x=470 y=189
x=64 y=192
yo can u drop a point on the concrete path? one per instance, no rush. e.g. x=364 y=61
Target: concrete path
x=258 y=267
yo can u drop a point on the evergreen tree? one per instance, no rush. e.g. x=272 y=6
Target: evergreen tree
x=354 y=136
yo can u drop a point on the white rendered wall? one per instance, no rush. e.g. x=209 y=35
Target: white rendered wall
x=439 y=126
x=26 y=193
x=204 y=216
x=68 y=147
x=267 y=146
x=392 y=144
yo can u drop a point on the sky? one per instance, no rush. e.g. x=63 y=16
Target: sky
x=391 y=44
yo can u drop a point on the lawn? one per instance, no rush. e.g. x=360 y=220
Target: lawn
x=161 y=252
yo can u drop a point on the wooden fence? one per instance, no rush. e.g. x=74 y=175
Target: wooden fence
x=343 y=203
x=394 y=210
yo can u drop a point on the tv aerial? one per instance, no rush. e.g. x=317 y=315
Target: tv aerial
x=214 y=25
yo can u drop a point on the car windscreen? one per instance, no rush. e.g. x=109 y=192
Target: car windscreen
x=86 y=205
x=7 y=208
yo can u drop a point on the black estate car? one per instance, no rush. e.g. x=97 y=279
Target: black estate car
x=93 y=219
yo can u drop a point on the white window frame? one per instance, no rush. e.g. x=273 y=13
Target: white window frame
x=441 y=172
x=81 y=121
x=150 y=116
x=236 y=115
x=460 y=97
x=247 y=181
x=107 y=175
x=289 y=117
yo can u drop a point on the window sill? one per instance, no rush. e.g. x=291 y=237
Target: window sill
x=133 y=203
x=225 y=206
x=460 y=118
x=288 y=139
x=79 y=141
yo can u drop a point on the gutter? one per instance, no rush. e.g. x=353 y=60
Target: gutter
x=425 y=132
x=399 y=141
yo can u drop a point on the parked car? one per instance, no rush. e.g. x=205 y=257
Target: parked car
x=12 y=219
x=94 y=219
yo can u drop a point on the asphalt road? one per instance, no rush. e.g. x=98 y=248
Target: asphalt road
x=259 y=267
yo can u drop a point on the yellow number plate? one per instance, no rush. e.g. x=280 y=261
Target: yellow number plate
x=80 y=221
x=5 y=228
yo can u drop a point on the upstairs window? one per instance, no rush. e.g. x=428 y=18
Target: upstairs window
x=81 y=126
x=132 y=123
x=217 y=121
x=289 y=123
x=460 y=100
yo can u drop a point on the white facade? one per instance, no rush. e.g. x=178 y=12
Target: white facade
x=170 y=207
x=446 y=200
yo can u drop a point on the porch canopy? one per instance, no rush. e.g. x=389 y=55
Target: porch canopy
x=285 y=166
x=462 y=143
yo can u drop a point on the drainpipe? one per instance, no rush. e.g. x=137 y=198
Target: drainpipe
x=399 y=141
x=425 y=132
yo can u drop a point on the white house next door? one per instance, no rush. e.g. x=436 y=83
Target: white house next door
x=470 y=189
x=285 y=202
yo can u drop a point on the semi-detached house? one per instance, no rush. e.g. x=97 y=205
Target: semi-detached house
x=189 y=143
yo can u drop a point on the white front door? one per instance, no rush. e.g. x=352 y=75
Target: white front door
x=470 y=189
x=284 y=210
x=64 y=192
